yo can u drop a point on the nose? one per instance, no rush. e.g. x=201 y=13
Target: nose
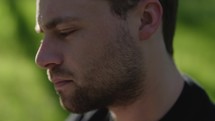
x=48 y=55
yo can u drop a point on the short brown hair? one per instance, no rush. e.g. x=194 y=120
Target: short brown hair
x=120 y=7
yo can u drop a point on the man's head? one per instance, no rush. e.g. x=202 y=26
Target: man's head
x=95 y=58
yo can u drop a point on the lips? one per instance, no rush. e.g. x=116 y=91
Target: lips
x=60 y=83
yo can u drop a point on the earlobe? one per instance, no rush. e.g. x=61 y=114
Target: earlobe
x=150 y=20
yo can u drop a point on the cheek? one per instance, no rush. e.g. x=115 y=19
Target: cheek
x=88 y=46
x=81 y=57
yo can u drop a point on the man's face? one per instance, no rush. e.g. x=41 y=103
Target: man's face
x=90 y=54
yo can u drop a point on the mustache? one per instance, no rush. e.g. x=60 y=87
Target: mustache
x=59 y=71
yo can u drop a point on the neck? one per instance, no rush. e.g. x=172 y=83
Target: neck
x=162 y=87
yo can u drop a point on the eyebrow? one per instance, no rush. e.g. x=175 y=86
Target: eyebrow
x=54 y=22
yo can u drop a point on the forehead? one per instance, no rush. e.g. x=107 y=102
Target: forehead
x=50 y=9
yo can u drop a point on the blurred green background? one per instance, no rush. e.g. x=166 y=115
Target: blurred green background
x=26 y=94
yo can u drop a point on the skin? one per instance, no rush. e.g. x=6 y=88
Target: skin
x=96 y=60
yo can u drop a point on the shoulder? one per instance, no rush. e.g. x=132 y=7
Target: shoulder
x=210 y=113
x=205 y=107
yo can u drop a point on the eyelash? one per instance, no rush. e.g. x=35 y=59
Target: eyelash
x=66 y=33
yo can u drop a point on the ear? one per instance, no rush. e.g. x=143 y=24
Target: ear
x=151 y=16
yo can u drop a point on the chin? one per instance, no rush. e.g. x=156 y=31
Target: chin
x=66 y=105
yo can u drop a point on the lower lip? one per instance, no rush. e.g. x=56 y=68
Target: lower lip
x=62 y=84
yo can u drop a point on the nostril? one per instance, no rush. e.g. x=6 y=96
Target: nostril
x=50 y=66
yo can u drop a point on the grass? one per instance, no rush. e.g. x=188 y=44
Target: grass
x=26 y=94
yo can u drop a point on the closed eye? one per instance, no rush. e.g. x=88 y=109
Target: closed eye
x=66 y=32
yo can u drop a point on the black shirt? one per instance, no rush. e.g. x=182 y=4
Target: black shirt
x=192 y=105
